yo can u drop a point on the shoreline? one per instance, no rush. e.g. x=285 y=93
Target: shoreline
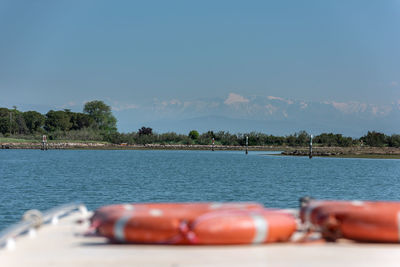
x=346 y=152
x=109 y=146
x=338 y=152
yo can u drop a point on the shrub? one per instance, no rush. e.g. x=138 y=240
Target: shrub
x=193 y=134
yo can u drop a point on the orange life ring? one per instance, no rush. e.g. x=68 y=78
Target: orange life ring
x=242 y=227
x=356 y=220
x=155 y=222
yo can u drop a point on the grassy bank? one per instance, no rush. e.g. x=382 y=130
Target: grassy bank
x=14 y=140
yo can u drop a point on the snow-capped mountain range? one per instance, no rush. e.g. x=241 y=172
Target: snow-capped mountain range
x=268 y=114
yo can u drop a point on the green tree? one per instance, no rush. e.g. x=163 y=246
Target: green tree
x=225 y=138
x=302 y=138
x=205 y=138
x=291 y=140
x=57 y=120
x=101 y=115
x=5 y=121
x=145 y=131
x=193 y=134
x=81 y=121
x=255 y=139
x=172 y=137
x=34 y=121
x=20 y=124
x=374 y=139
x=344 y=141
x=394 y=140
x=326 y=139
x=12 y=121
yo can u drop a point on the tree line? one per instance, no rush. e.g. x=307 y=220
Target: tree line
x=301 y=138
x=94 y=123
x=97 y=123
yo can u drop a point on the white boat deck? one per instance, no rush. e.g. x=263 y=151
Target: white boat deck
x=63 y=244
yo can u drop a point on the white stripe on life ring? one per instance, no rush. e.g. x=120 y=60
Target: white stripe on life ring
x=156 y=212
x=357 y=203
x=128 y=207
x=261 y=227
x=119 y=227
x=215 y=205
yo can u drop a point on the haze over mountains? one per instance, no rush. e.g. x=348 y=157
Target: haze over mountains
x=268 y=114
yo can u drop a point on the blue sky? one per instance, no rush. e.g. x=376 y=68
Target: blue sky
x=151 y=60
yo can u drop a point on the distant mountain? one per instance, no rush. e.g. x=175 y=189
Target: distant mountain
x=220 y=123
x=275 y=127
x=268 y=114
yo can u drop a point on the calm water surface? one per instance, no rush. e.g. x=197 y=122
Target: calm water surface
x=43 y=179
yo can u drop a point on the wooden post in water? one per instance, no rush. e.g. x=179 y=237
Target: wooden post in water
x=247 y=145
x=44 y=143
x=310 y=154
x=213 y=143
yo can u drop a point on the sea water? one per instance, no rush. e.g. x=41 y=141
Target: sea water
x=34 y=179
